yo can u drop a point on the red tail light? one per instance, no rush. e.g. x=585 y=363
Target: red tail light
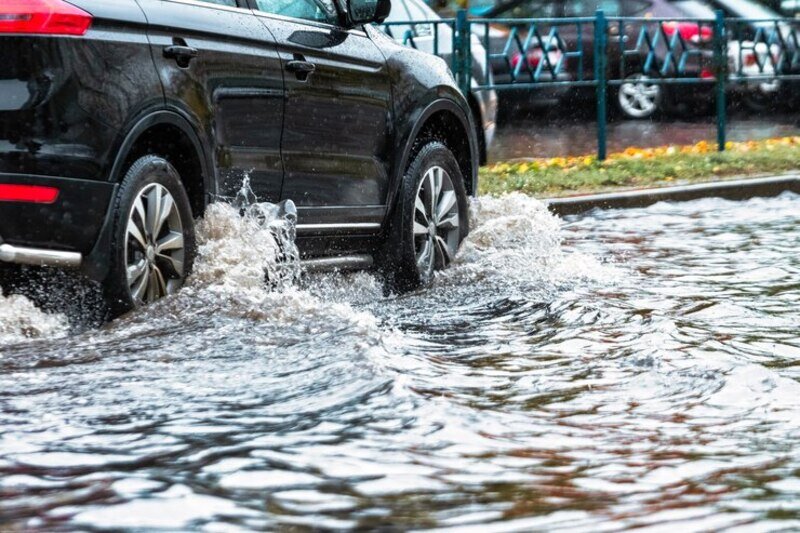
x=47 y=17
x=34 y=194
x=689 y=31
x=707 y=74
x=749 y=60
x=535 y=57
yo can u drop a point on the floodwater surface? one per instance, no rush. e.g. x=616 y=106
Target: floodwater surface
x=620 y=369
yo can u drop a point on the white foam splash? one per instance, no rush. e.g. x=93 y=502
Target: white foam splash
x=247 y=266
x=516 y=238
x=244 y=251
x=247 y=263
x=20 y=320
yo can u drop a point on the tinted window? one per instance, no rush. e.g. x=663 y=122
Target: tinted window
x=633 y=8
x=316 y=10
x=530 y=9
x=587 y=8
x=696 y=9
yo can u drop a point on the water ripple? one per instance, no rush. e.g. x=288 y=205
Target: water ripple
x=623 y=369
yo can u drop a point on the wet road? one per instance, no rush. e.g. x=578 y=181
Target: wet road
x=627 y=368
x=576 y=134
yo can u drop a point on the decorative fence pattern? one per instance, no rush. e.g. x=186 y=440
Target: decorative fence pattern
x=603 y=52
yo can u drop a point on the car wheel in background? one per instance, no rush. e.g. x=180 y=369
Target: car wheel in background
x=762 y=97
x=153 y=241
x=638 y=99
x=429 y=222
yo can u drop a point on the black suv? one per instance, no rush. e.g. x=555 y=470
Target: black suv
x=120 y=120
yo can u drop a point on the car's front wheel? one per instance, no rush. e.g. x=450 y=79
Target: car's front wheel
x=153 y=240
x=430 y=219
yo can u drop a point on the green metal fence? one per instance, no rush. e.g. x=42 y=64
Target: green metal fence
x=604 y=53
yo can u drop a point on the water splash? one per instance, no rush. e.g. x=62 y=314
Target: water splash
x=242 y=248
x=516 y=239
x=21 y=320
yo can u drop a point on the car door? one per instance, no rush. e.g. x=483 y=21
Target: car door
x=337 y=127
x=220 y=67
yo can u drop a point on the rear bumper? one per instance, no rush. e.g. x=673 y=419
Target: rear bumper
x=60 y=234
x=38 y=257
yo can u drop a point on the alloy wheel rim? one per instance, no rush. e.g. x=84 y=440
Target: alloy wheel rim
x=154 y=246
x=437 y=222
x=637 y=97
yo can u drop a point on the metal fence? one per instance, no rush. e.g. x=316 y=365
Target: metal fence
x=602 y=53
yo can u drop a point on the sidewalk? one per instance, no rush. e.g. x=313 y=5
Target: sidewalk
x=731 y=189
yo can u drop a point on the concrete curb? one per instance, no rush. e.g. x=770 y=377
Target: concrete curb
x=732 y=190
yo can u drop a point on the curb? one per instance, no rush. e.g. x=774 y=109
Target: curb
x=742 y=189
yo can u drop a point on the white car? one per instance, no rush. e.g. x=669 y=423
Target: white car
x=748 y=59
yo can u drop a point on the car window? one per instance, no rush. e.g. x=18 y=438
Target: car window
x=633 y=8
x=529 y=9
x=746 y=9
x=696 y=9
x=587 y=8
x=316 y=10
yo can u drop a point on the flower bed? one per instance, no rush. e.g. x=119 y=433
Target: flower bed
x=641 y=167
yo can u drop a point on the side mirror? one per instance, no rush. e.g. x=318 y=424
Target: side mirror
x=367 y=11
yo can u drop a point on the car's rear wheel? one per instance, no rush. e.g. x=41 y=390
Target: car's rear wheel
x=430 y=220
x=637 y=98
x=154 y=242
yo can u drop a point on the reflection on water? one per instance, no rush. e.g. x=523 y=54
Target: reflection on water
x=627 y=368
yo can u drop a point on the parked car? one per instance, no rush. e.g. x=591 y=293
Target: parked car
x=756 y=58
x=790 y=8
x=120 y=120
x=423 y=33
x=636 y=98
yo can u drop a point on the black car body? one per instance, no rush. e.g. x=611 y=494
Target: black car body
x=308 y=106
x=415 y=24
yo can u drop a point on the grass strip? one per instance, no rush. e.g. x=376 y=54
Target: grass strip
x=641 y=168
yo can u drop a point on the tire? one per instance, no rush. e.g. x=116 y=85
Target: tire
x=10 y=276
x=159 y=250
x=417 y=243
x=758 y=100
x=638 y=100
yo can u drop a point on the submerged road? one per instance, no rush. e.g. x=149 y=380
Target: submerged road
x=613 y=370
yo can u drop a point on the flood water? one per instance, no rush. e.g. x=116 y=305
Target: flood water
x=620 y=369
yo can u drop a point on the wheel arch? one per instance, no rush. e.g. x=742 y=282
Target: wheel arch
x=201 y=188
x=477 y=115
x=172 y=136
x=445 y=121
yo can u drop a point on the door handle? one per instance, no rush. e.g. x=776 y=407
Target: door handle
x=303 y=69
x=181 y=53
